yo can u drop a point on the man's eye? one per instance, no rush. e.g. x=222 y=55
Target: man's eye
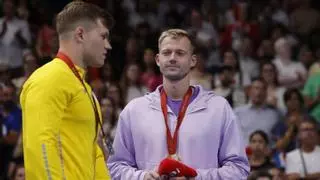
x=166 y=53
x=104 y=37
x=179 y=53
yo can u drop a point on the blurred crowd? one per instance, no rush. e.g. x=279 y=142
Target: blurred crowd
x=263 y=56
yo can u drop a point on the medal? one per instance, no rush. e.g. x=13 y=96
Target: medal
x=174 y=156
x=173 y=141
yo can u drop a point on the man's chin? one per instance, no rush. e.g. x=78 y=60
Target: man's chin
x=174 y=77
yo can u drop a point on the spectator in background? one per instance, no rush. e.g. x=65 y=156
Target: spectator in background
x=260 y=158
x=285 y=131
x=98 y=87
x=45 y=38
x=143 y=12
x=269 y=73
x=199 y=75
x=257 y=115
x=265 y=50
x=114 y=91
x=17 y=157
x=11 y=124
x=278 y=13
x=304 y=162
x=306 y=58
x=315 y=68
x=5 y=76
x=304 y=19
x=132 y=50
x=249 y=66
x=311 y=92
x=151 y=77
x=107 y=75
x=29 y=66
x=203 y=31
x=22 y=10
x=231 y=58
x=291 y=74
x=131 y=86
x=14 y=37
x=18 y=173
x=110 y=117
x=234 y=96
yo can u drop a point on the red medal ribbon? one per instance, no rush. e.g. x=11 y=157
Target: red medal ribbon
x=172 y=141
x=71 y=65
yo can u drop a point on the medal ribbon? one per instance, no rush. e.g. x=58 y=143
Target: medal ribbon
x=71 y=65
x=172 y=141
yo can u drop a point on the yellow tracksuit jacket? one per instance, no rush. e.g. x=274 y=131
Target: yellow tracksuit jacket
x=59 y=127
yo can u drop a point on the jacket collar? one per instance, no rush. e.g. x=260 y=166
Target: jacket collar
x=199 y=103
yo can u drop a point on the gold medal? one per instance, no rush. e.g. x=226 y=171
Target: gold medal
x=174 y=156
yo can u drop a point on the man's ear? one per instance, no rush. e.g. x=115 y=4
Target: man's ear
x=157 y=60
x=193 y=60
x=79 y=34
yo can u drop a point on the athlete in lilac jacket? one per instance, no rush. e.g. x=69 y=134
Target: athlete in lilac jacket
x=209 y=139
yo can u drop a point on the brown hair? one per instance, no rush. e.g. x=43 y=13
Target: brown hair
x=176 y=34
x=77 y=11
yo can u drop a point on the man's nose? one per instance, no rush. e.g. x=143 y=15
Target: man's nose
x=107 y=45
x=173 y=58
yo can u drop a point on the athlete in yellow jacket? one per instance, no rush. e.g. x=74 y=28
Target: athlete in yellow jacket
x=59 y=125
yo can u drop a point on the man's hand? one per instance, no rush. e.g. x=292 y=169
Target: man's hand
x=152 y=175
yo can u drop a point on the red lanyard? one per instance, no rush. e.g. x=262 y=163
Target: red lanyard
x=172 y=141
x=68 y=61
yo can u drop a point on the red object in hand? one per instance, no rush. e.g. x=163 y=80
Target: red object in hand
x=174 y=168
x=248 y=151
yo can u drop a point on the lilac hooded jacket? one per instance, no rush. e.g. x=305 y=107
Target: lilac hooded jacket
x=209 y=139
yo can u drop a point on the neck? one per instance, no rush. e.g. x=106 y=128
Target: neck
x=257 y=159
x=73 y=54
x=176 y=89
x=307 y=148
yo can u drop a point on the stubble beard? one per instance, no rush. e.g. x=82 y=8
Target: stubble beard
x=176 y=77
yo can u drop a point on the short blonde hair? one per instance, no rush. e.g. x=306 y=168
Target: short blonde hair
x=176 y=34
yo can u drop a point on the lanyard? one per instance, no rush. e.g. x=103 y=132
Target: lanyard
x=92 y=98
x=172 y=141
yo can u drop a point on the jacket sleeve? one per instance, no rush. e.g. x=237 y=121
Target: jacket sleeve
x=122 y=163
x=232 y=158
x=102 y=172
x=43 y=104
